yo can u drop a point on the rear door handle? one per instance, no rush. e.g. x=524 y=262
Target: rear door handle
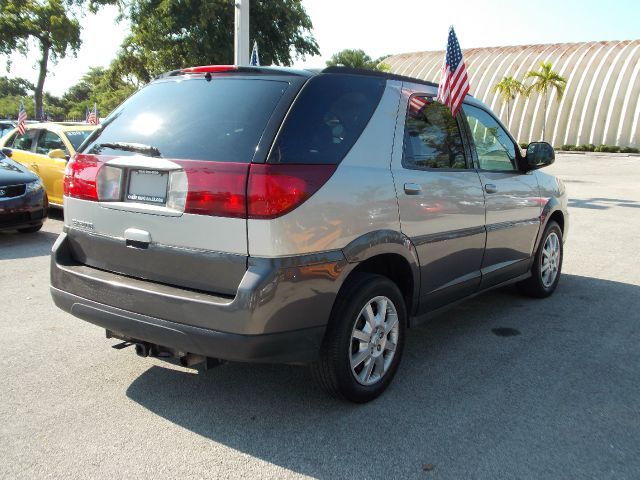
x=490 y=188
x=412 y=189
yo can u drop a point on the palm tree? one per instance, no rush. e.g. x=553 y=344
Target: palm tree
x=508 y=88
x=544 y=80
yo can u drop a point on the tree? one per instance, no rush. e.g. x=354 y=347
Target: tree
x=15 y=87
x=97 y=86
x=48 y=23
x=508 y=88
x=171 y=34
x=546 y=80
x=357 y=59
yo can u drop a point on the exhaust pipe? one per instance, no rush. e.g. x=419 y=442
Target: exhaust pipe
x=142 y=349
x=191 y=359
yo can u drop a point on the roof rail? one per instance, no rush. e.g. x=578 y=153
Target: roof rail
x=377 y=73
x=212 y=69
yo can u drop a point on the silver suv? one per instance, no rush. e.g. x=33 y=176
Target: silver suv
x=275 y=215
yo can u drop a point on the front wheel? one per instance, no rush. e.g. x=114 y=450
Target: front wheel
x=547 y=265
x=364 y=340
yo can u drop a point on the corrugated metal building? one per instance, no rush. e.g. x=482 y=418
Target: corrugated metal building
x=601 y=103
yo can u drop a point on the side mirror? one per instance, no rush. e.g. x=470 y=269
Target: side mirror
x=539 y=154
x=7 y=151
x=57 y=153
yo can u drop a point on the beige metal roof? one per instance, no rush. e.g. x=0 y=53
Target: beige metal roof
x=601 y=103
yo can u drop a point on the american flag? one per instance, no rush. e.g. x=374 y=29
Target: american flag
x=92 y=117
x=417 y=104
x=22 y=119
x=454 y=83
x=255 y=60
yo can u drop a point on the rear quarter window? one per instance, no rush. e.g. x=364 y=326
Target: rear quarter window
x=193 y=119
x=327 y=119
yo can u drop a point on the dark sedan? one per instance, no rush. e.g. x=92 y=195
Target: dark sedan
x=23 y=201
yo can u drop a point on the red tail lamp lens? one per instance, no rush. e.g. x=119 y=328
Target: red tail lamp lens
x=215 y=188
x=80 y=177
x=276 y=189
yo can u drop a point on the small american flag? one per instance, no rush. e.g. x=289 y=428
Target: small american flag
x=92 y=118
x=454 y=83
x=22 y=119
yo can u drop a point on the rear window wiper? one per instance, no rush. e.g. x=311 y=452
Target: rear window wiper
x=130 y=147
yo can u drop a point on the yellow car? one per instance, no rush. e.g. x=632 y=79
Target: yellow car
x=45 y=148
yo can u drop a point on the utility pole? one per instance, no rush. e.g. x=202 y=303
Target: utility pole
x=241 y=33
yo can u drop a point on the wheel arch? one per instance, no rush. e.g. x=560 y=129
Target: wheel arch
x=391 y=254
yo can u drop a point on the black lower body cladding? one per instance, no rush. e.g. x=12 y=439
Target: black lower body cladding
x=278 y=314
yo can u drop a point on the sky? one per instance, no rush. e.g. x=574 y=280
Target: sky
x=383 y=27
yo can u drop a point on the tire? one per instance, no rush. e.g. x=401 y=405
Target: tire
x=371 y=357
x=30 y=229
x=541 y=284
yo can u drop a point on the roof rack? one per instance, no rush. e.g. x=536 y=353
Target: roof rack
x=377 y=73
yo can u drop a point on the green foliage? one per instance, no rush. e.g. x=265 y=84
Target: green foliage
x=629 y=150
x=15 y=87
x=524 y=145
x=508 y=88
x=357 y=59
x=50 y=24
x=607 y=148
x=546 y=80
x=171 y=34
x=600 y=148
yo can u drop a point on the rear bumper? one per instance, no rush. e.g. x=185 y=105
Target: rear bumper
x=278 y=314
x=299 y=346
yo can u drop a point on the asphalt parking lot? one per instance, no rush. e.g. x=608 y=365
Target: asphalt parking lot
x=559 y=399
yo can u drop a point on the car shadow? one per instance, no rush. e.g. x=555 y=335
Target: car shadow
x=14 y=245
x=499 y=377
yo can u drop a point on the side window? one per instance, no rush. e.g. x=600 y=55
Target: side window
x=431 y=136
x=494 y=147
x=327 y=119
x=24 y=142
x=49 y=141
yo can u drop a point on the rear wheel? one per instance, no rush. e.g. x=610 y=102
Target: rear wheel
x=33 y=229
x=364 y=340
x=547 y=266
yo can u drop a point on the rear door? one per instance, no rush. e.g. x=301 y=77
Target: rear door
x=512 y=199
x=440 y=198
x=169 y=171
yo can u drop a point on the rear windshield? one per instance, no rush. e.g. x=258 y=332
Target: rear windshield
x=221 y=119
x=327 y=119
x=76 y=137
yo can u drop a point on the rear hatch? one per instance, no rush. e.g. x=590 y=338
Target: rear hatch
x=159 y=191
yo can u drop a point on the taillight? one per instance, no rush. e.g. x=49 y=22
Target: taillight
x=276 y=189
x=215 y=188
x=80 y=177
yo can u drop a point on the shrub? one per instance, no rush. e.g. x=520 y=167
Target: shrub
x=600 y=148
x=567 y=147
x=629 y=150
x=580 y=148
x=523 y=145
x=589 y=147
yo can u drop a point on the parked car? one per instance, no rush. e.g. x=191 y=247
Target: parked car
x=23 y=201
x=45 y=149
x=6 y=126
x=273 y=215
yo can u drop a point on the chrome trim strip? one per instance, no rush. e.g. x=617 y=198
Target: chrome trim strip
x=454 y=234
